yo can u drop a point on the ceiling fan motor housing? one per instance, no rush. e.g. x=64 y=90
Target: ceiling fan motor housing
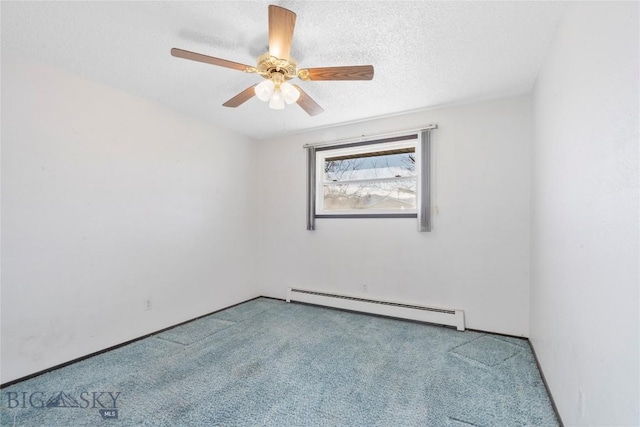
x=277 y=69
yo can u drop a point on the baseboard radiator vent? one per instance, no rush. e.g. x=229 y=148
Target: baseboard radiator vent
x=384 y=308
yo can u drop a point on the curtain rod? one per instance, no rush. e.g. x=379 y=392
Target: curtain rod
x=367 y=137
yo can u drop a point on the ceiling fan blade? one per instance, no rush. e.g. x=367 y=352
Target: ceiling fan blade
x=281 y=24
x=241 y=98
x=307 y=103
x=355 y=72
x=180 y=53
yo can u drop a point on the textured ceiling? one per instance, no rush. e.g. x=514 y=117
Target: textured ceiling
x=425 y=54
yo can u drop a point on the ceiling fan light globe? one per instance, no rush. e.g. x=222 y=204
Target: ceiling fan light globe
x=289 y=93
x=264 y=90
x=277 y=101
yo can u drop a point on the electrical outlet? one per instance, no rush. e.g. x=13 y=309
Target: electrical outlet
x=365 y=288
x=147 y=304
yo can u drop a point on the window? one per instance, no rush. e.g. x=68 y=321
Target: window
x=377 y=178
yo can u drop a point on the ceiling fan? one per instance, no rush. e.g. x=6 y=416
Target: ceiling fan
x=277 y=67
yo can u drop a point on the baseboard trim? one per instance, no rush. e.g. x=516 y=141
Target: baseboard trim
x=96 y=353
x=499 y=334
x=546 y=385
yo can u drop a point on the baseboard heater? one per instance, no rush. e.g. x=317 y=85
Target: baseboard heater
x=384 y=308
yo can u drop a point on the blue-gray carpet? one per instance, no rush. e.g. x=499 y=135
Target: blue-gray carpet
x=269 y=363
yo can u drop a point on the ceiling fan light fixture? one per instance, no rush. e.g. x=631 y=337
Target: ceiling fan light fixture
x=277 y=101
x=289 y=93
x=264 y=90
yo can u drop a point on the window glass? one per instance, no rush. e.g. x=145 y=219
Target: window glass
x=386 y=195
x=385 y=164
x=369 y=179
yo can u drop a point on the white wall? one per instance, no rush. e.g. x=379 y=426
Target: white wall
x=109 y=200
x=585 y=228
x=477 y=256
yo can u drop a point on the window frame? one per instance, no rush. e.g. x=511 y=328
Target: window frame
x=406 y=141
x=424 y=135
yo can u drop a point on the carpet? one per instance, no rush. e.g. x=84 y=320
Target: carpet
x=271 y=363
